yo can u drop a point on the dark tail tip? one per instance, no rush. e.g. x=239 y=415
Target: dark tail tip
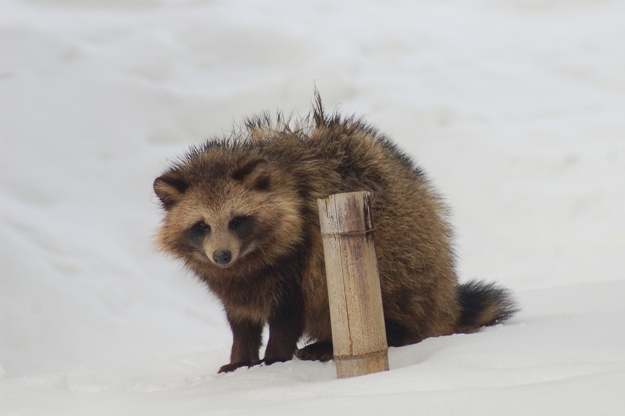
x=483 y=304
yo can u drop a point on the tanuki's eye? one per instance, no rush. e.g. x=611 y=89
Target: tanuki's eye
x=200 y=228
x=238 y=222
x=242 y=225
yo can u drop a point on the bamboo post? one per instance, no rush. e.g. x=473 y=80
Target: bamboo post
x=356 y=314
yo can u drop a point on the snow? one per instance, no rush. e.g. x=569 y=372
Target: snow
x=515 y=108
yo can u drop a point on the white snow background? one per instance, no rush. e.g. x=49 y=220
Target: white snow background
x=515 y=108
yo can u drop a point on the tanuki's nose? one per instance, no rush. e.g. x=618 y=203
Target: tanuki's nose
x=222 y=257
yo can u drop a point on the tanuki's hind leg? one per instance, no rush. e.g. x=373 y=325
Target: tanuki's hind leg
x=397 y=335
x=317 y=351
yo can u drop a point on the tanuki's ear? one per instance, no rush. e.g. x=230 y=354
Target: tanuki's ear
x=254 y=173
x=169 y=188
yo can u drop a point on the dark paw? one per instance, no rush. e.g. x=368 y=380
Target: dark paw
x=318 y=351
x=233 y=366
x=269 y=361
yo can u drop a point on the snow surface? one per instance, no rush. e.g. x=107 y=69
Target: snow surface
x=515 y=108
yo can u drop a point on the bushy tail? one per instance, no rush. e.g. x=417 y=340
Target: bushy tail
x=483 y=304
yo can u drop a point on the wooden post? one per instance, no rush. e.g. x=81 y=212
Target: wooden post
x=358 y=331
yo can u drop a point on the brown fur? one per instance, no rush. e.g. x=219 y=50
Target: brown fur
x=269 y=176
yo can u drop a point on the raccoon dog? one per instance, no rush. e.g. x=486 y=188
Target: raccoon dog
x=241 y=213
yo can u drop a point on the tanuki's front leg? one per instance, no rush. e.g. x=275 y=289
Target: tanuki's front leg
x=285 y=329
x=246 y=341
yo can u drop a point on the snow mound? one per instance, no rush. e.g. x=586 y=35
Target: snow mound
x=513 y=107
